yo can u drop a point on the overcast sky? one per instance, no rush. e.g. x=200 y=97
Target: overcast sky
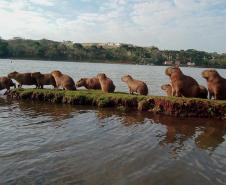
x=167 y=24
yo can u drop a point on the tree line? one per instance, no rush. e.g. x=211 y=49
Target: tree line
x=18 y=48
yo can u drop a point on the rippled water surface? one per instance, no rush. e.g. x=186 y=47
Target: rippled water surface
x=45 y=143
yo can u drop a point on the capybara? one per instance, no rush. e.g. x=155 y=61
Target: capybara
x=182 y=85
x=44 y=79
x=106 y=83
x=6 y=83
x=216 y=84
x=135 y=85
x=202 y=93
x=89 y=83
x=167 y=88
x=63 y=80
x=22 y=78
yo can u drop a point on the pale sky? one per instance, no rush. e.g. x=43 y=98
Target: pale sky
x=167 y=24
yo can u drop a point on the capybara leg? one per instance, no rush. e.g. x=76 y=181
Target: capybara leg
x=178 y=94
x=210 y=96
x=6 y=92
x=217 y=96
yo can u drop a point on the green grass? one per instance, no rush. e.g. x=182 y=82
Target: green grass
x=105 y=98
x=157 y=104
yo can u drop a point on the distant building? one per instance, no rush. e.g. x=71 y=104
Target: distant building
x=177 y=62
x=168 y=62
x=190 y=64
x=111 y=44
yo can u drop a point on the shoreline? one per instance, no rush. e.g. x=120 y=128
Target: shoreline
x=106 y=62
x=170 y=106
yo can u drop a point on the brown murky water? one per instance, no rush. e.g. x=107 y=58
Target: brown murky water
x=60 y=144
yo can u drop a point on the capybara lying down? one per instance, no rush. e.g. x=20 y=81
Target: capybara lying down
x=182 y=85
x=89 y=83
x=216 y=84
x=6 y=83
x=44 y=79
x=64 y=81
x=23 y=78
x=202 y=94
x=106 y=83
x=135 y=85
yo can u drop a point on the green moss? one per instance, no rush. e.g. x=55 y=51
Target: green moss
x=118 y=97
x=158 y=104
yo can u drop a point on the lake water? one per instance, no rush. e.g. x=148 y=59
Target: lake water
x=43 y=143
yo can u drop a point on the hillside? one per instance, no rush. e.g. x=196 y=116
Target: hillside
x=18 y=48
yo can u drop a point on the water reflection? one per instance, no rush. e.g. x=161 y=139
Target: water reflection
x=44 y=143
x=55 y=111
x=208 y=133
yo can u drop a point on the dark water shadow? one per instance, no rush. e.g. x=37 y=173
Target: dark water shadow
x=208 y=134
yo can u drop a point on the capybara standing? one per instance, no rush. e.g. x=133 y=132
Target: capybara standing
x=22 y=78
x=6 y=83
x=182 y=85
x=216 y=84
x=89 y=83
x=135 y=85
x=202 y=91
x=106 y=83
x=44 y=79
x=167 y=88
x=64 y=81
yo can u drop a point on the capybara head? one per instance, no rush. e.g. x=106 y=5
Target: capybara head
x=170 y=70
x=81 y=82
x=13 y=74
x=101 y=76
x=126 y=78
x=209 y=73
x=166 y=87
x=56 y=73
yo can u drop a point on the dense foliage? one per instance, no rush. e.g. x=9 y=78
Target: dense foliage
x=19 y=48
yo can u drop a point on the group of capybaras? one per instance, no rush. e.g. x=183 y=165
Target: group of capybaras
x=180 y=85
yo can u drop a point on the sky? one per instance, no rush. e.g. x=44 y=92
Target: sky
x=167 y=24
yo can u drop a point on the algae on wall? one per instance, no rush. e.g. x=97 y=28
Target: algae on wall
x=174 y=106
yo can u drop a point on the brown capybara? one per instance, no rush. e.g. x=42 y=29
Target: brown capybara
x=167 y=88
x=64 y=81
x=22 y=78
x=202 y=93
x=106 y=83
x=135 y=85
x=6 y=83
x=89 y=83
x=182 y=85
x=44 y=79
x=216 y=84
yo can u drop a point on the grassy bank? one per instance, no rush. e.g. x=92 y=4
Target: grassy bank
x=183 y=107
